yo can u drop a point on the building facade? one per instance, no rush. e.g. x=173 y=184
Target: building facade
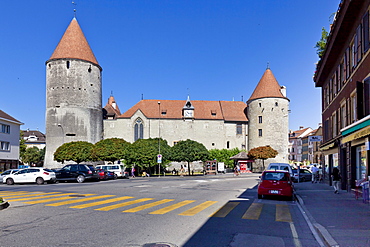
x=343 y=74
x=73 y=94
x=9 y=141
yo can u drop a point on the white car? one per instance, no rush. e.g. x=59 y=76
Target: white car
x=30 y=175
x=7 y=172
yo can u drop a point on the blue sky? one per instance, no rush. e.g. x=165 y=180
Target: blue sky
x=167 y=49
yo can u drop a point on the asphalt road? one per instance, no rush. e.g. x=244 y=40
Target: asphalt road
x=207 y=210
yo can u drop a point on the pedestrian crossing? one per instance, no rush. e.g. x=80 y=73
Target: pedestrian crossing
x=150 y=206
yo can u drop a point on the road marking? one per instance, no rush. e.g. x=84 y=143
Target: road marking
x=11 y=193
x=253 y=212
x=149 y=205
x=22 y=196
x=92 y=204
x=123 y=204
x=297 y=243
x=224 y=210
x=40 y=197
x=56 y=199
x=197 y=209
x=172 y=207
x=283 y=213
x=78 y=200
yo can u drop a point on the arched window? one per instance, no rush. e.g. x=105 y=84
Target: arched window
x=138 y=129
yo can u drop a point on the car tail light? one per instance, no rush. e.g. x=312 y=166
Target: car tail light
x=46 y=173
x=90 y=172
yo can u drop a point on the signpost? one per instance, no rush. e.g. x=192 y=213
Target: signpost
x=159 y=161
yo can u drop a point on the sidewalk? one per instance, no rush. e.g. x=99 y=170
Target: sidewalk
x=339 y=219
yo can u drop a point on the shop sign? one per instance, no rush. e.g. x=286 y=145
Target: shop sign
x=356 y=135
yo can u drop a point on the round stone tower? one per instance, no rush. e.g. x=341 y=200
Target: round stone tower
x=268 y=115
x=73 y=94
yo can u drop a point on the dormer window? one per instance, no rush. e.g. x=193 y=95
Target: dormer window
x=213 y=113
x=163 y=112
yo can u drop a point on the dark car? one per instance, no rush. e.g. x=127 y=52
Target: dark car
x=275 y=183
x=304 y=175
x=77 y=172
x=111 y=175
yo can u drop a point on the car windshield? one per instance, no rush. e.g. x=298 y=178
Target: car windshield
x=279 y=176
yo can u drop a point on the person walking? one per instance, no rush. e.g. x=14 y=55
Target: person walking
x=336 y=178
x=314 y=171
x=133 y=172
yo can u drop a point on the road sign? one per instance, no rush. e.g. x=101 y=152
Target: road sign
x=159 y=158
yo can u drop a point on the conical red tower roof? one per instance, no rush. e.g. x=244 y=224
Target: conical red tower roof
x=267 y=87
x=74 y=45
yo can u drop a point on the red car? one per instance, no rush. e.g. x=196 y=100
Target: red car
x=275 y=183
x=102 y=174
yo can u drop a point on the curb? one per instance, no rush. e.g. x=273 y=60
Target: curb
x=321 y=231
x=4 y=205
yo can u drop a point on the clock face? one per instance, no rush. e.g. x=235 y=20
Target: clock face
x=188 y=113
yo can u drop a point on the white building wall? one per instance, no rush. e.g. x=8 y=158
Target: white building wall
x=13 y=139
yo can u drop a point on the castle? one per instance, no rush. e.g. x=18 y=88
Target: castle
x=74 y=109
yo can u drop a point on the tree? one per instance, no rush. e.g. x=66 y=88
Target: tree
x=321 y=44
x=111 y=149
x=32 y=155
x=143 y=152
x=22 y=145
x=189 y=151
x=262 y=153
x=76 y=151
x=223 y=155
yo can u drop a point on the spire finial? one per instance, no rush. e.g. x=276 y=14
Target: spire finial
x=74 y=9
x=268 y=65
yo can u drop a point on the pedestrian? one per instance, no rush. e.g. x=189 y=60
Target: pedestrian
x=336 y=178
x=314 y=171
x=182 y=171
x=133 y=172
x=320 y=174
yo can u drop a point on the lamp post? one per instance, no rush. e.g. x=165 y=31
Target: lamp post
x=159 y=157
x=59 y=125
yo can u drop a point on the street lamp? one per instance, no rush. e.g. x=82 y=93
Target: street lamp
x=59 y=125
x=159 y=157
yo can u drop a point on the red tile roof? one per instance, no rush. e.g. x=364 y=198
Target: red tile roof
x=111 y=108
x=267 y=87
x=74 y=45
x=172 y=109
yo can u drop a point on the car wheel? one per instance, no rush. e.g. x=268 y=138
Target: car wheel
x=80 y=179
x=9 y=181
x=115 y=176
x=40 y=181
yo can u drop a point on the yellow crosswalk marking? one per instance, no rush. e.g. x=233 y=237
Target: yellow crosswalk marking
x=149 y=205
x=123 y=204
x=283 y=213
x=78 y=200
x=172 y=207
x=27 y=195
x=197 y=209
x=222 y=212
x=92 y=204
x=253 y=212
x=56 y=199
x=41 y=197
x=7 y=193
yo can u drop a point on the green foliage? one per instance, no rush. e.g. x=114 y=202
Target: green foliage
x=263 y=153
x=22 y=145
x=111 y=149
x=143 y=152
x=76 y=151
x=33 y=155
x=189 y=151
x=223 y=155
x=321 y=44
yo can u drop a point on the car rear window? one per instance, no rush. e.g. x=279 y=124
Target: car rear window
x=279 y=176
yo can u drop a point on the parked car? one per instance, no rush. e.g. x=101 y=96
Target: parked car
x=102 y=174
x=119 y=170
x=304 y=175
x=111 y=175
x=7 y=172
x=77 y=172
x=30 y=175
x=275 y=183
x=280 y=166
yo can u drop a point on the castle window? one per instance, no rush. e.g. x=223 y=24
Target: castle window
x=138 y=129
x=260 y=104
x=227 y=144
x=68 y=64
x=260 y=119
x=276 y=103
x=239 y=129
x=260 y=132
x=89 y=70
